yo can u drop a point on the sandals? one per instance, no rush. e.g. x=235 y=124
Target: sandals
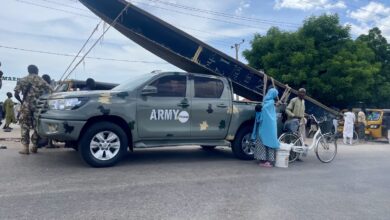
x=266 y=164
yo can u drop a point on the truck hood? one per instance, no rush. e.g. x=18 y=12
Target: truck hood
x=90 y=94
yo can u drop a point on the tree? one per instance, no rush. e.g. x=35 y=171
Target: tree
x=381 y=88
x=320 y=56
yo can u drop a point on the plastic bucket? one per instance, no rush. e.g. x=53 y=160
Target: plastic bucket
x=282 y=158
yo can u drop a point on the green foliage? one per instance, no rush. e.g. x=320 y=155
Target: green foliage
x=322 y=57
x=381 y=88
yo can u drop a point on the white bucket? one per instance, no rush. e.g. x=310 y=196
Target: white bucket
x=282 y=158
x=285 y=147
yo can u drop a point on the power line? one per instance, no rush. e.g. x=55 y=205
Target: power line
x=82 y=48
x=208 y=32
x=219 y=42
x=211 y=33
x=226 y=15
x=99 y=39
x=217 y=13
x=56 y=9
x=64 y=5
x=198 y=16
x=71 y=55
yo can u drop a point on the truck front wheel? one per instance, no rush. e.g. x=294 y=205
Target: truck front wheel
x=103 y=144
x=241 y=146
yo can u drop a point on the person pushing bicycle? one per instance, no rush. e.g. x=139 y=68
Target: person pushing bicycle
x=296 y=110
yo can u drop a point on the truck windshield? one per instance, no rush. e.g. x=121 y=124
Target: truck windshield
x=134 y=82
x=373 y=116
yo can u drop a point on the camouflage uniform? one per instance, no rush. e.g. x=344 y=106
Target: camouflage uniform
x=31 y=87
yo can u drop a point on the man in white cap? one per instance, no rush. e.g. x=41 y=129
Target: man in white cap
x=296 y=110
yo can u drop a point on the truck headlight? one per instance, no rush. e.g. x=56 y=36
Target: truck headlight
x=66 y=104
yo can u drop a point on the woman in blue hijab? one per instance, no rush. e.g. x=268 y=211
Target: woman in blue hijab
x=265 y=131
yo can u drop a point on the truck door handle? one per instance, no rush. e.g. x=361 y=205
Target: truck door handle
x=222 y=106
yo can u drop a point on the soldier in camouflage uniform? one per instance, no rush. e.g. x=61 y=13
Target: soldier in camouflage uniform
x=31 y=87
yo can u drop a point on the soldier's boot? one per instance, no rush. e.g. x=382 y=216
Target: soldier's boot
x=25 y=150
x=34 y=149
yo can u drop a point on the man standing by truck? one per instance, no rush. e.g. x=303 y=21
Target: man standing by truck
x=296 y=110
x=31 y=87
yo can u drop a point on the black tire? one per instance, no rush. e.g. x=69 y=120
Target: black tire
x=289 y=138
x=110 y=155
x=326 y=148
x=204 y=147
x=241 y=146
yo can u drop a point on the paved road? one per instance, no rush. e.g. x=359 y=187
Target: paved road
x=189 y=183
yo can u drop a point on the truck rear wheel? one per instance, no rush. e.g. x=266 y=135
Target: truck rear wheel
x=241 y=146
x=103 y=144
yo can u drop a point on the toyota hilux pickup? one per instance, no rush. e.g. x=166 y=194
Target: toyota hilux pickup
x=149 y=110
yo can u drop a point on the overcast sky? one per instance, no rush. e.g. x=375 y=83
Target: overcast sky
x=62 y=26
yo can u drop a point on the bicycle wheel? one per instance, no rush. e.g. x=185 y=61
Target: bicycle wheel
x=326 y=148
x=291 y=138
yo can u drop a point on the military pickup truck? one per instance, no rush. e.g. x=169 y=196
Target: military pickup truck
x=151 y=110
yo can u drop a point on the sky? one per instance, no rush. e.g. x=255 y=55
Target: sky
x=61 y=27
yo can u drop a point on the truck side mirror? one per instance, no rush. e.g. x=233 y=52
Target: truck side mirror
x=149 y=90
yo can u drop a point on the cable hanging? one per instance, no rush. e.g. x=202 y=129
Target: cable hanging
x=98 y=40
x=71 y=55
x=82 y=48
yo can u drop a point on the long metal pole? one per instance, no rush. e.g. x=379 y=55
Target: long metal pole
x=237 y=48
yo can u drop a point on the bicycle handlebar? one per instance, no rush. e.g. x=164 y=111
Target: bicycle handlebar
x=315 y=119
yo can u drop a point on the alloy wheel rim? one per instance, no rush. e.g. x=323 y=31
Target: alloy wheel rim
x=105 y=145
x=246 y=145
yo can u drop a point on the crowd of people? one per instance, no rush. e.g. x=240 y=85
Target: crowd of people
x=350 y=122
x=265 y=135
x=265 y=138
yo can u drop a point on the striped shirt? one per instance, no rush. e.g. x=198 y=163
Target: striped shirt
x=296 y=108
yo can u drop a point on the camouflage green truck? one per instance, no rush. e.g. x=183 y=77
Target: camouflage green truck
x=151 y=110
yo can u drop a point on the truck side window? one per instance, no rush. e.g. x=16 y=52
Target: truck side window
x=171 y=86
x=208 y=87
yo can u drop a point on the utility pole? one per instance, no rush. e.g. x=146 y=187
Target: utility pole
x=237 y=47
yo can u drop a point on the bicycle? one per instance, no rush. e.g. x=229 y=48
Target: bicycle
x=355 y=138
x=325 y=145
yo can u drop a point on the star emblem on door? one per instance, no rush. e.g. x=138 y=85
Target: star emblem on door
x=204 y=126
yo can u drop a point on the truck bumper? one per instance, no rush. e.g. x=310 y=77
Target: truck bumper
x=59 y=129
